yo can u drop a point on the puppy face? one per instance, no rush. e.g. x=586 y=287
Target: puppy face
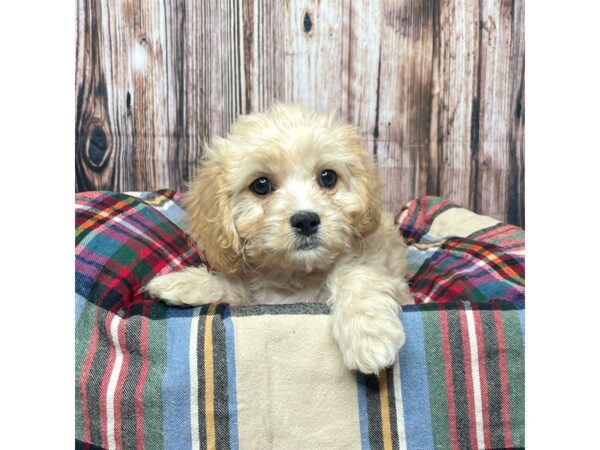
x=286 y=189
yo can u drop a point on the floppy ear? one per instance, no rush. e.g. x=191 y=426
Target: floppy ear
x=210 y=223
x=369 y=187
x=365 y=182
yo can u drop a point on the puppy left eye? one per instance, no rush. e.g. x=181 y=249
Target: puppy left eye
x=261 y=186
x=327 y=178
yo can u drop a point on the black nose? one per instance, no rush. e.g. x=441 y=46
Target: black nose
x=305 y=222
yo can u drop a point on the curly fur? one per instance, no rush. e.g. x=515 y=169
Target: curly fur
x=358 y=263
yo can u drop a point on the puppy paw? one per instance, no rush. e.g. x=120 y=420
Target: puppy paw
x=370 y=344
x=190 y=287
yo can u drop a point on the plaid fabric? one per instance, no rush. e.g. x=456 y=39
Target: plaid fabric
x=271 y=376
x=457 y=255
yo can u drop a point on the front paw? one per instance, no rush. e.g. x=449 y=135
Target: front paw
x=369 y=342
x=189 y=287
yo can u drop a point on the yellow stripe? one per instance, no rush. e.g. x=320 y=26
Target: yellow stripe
x=385 y=411
x=209 y=388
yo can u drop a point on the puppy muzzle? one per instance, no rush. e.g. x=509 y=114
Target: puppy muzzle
x=306 y=243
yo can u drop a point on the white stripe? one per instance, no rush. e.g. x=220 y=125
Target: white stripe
x=475 y=374
x=112 y=383
x=194 y=381
x=399 y=406
x=176 y=261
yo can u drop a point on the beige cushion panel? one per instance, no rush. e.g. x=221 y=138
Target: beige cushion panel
x=293 y=390
x=459 y=222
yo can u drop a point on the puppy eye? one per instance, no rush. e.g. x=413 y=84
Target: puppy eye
x=261 y=186
x=327 y=178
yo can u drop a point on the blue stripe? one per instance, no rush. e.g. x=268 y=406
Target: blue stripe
x=231 y=381
x=416 y=257
x=414 y=385
x=362 y=411
x=84 y=284
x=176 y=383
x=79 y=302
x=521 y=312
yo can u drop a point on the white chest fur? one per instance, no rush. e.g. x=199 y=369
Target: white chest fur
x=281 y=288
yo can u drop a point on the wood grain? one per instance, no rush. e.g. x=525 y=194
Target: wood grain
x=436 y=87
x=405 y=97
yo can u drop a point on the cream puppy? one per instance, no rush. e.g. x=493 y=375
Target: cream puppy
x=287 y=209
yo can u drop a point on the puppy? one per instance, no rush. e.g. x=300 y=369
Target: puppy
x=287 y=209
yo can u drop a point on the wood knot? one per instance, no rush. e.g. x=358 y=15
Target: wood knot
x=519 y=108
x=97 y=154
x=307 y=22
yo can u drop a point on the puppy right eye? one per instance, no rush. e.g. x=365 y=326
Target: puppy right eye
x=261 y=186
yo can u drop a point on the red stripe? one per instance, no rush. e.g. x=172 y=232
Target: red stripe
x=483 y=378
x=139 y=391
x=468 y=376
x=105 y=379
x=124 y=274
x=449 y=379
x=503 y=377
x=434 y=210
x=120 y=384
x=455 y=288
x=85 y=372
x=116 y=283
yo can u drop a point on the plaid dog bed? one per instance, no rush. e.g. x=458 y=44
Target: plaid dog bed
x=271 y=376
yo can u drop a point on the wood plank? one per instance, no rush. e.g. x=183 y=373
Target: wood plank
x=295 y=53
x=264 y=54
x=515 y=209
x=500 y=90
x=143 y=55
x=94 y=159
x=403 y=118
x=361 y=41
x=454 y=94
x=213 y=81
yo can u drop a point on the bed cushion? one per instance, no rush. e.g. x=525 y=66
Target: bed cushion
x=271 y=376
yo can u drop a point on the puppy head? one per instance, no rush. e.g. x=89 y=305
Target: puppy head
x=287 y=189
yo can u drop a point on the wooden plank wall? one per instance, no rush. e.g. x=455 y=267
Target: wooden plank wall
x=436 y=87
